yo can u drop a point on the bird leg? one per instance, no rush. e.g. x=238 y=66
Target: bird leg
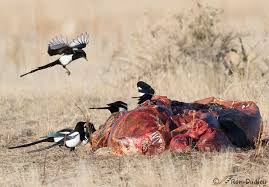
x=67 y=70
x=72 y=149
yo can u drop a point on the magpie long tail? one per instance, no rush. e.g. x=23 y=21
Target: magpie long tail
x=33 y=143
x=42 y=67
x=100 y=107
x=44 y=148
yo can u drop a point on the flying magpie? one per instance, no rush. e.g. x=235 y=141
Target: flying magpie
x=117 y=106
x=70 y=51
x=65 y=137
x=145 y=90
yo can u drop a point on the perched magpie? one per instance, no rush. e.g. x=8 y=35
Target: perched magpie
x=146 y=92
x=71 y=51
x=117 y=106
x=65 y=137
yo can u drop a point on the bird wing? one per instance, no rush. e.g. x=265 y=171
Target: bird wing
x=60 y=133
x=112 y=104
x=61 y=142
x=29 y=144
x=143 y=98
x=71 y=136
x=144 y=88
x=58 y=46
x=42 y=67
x=80 y=42
x=118 y=104
x=64 y=131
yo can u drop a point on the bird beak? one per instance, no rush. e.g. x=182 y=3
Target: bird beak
x=86 y=58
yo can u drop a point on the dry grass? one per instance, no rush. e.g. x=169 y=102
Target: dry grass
x=182 y=53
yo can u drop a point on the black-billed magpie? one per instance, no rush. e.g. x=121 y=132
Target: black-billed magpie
x=65 y=137
x=117 y=106
x=70 y=50
x=145 y=90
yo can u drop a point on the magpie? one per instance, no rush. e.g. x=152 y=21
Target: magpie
x=145 y=90
x=70 y=51
x=65 y=137
x=117 y=106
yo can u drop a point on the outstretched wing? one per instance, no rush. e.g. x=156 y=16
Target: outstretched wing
x=80 y=42
x=42 y=67
x=58 y=46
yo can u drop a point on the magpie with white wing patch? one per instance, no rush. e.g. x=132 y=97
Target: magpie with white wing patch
x=69 y=138
x=145 y=90
x=70 y=51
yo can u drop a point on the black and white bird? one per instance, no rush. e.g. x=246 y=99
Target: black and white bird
x=70 y=51
x=145 y=90
x=65 y=137
x=117 y=106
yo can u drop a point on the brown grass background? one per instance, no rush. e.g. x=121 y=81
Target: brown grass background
x=120 y=43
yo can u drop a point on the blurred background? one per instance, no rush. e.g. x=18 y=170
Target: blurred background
x=28 y=25
x=185 y=49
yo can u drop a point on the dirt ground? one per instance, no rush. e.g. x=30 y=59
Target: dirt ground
x=59 y=166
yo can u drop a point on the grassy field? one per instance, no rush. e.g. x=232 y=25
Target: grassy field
x=180 y=47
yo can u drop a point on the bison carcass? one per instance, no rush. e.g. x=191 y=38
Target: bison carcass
x=161 y=124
